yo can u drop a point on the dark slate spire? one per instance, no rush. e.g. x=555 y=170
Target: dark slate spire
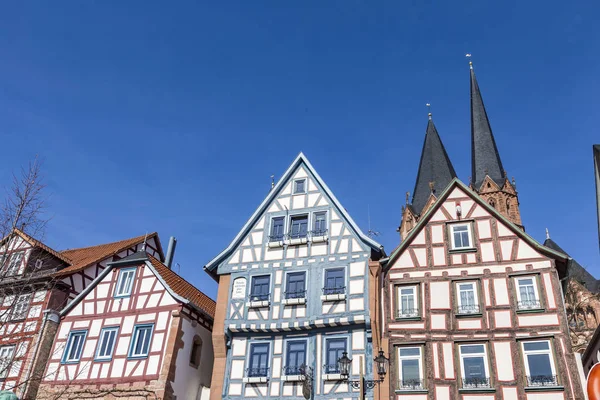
x=484 y=153
x=435 y=166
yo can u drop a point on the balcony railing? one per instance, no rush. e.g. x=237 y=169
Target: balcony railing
x=468 y=309
x=476 y=382
x=297 y=235
x=294 y=370
x=276 y=238
x=529 y=304
x=410 y=384
x=259 y=296
x=318 y=232
x=408 y=313
x=542 y=380
x=331 y=369
x=334 y=290
x=257 y=372
x=298 y=294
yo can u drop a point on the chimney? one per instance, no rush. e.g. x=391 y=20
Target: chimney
x=170 y=251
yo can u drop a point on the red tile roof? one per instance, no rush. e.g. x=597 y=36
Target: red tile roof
x=183 y=288
x=83 y=257
x=37 y=243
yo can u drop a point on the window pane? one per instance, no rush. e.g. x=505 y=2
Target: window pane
x=474 y=367
x=277 y=228
x=410 y=351
x=410 y=370
x=539 y=365
x=299 y=226
x=527 y=281
x=532 y=346
x=472 y=349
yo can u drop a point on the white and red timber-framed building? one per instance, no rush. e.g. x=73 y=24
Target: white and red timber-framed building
x=472 y=306
x=37 y=282
x=138 y=331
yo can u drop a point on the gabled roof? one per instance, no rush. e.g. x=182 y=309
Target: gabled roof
x=576 y=270
x=485 y=158
x=435 y=167
x=456 y=183
x=300 y=160
x=178 y=287
x=36 y=243
x=83 y=257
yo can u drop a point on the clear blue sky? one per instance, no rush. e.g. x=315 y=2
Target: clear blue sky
x=172 y=117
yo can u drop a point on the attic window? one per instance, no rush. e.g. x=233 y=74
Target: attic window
x=299 y=186
x=492 y=203
x=461 y=236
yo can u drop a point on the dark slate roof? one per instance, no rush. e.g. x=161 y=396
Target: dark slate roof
x=435 y=166
x=484 y=153
x=576 y=270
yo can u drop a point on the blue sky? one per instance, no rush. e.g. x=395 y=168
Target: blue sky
x=172 y=117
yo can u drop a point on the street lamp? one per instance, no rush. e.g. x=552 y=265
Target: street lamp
x=344 y=366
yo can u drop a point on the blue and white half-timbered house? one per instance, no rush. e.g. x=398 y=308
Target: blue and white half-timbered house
x=293 y=292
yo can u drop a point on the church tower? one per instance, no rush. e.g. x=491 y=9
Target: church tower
x=434 y=175
x=488 y=178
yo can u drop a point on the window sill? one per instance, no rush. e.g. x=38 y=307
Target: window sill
x=332 y=377
x=101 y=360
x=465 y=250
x=319 y=239
x=257 y=304
x=136 y=357
x=293 y=302
x=256 y=379
x=69 y=362
x=544 y=388
x=121 y=296
x=333 y=297
x=409 y=391
x=297 y=241
x=476 y=390
x=292 y=378
x=402 y=319
x=531 y=311
x=273 y=245
x=469 y=315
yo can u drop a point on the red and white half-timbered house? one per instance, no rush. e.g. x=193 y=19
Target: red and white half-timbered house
x=36 y=282
x=138 y=331
x=473 y=308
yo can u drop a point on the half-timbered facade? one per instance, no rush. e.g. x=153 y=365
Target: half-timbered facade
x=474 y=309
x=294 y=295
x=36 y=282
x=138 y=331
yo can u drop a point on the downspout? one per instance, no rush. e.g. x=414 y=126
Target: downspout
x=38 y=340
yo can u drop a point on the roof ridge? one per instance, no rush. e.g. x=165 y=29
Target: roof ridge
x=109 y=243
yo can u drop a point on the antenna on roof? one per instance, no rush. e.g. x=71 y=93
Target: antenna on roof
x=178 y=268
x=370 y=232
x=144 y=244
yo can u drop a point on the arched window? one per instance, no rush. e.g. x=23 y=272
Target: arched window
x=196 y=352
x=507 y=204
x=492 y=203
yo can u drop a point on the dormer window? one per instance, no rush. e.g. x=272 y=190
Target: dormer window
x=299 y=186
x=125 y=282
x=460 y=236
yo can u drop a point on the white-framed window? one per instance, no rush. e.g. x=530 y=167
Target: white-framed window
x=527 y=293
x=74 y=347
x=106 y=343
x=407 y=298
x=14 y=264
x=474 y=366
x=258 y=361
x=300 y=186
x=140 y=341
x=39 y=263
x=277 y=229
x=410 y=368
x=466 y=298
x=6 y=357
x=125 y=282
x=461 y=236
x=21 y=306
x=539 y=363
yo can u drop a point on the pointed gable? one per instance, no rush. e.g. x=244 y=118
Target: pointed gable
x=300 y=188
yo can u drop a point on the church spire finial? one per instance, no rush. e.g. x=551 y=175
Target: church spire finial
x=468 y=55
x=547 y=234
x=428 y=110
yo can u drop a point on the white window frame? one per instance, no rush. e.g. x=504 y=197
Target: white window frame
x=103 y=336
x=417 y=303
x=136 y=336
x=401 y=386
x=69 y=345
x=462 y=356
x=123 y=273
x=7 y=354
x=534 y=278
x=305 y=186
x=549 y=352
x=476 y=309
x=22 y=301
x=469 y=234
x=15 y=261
